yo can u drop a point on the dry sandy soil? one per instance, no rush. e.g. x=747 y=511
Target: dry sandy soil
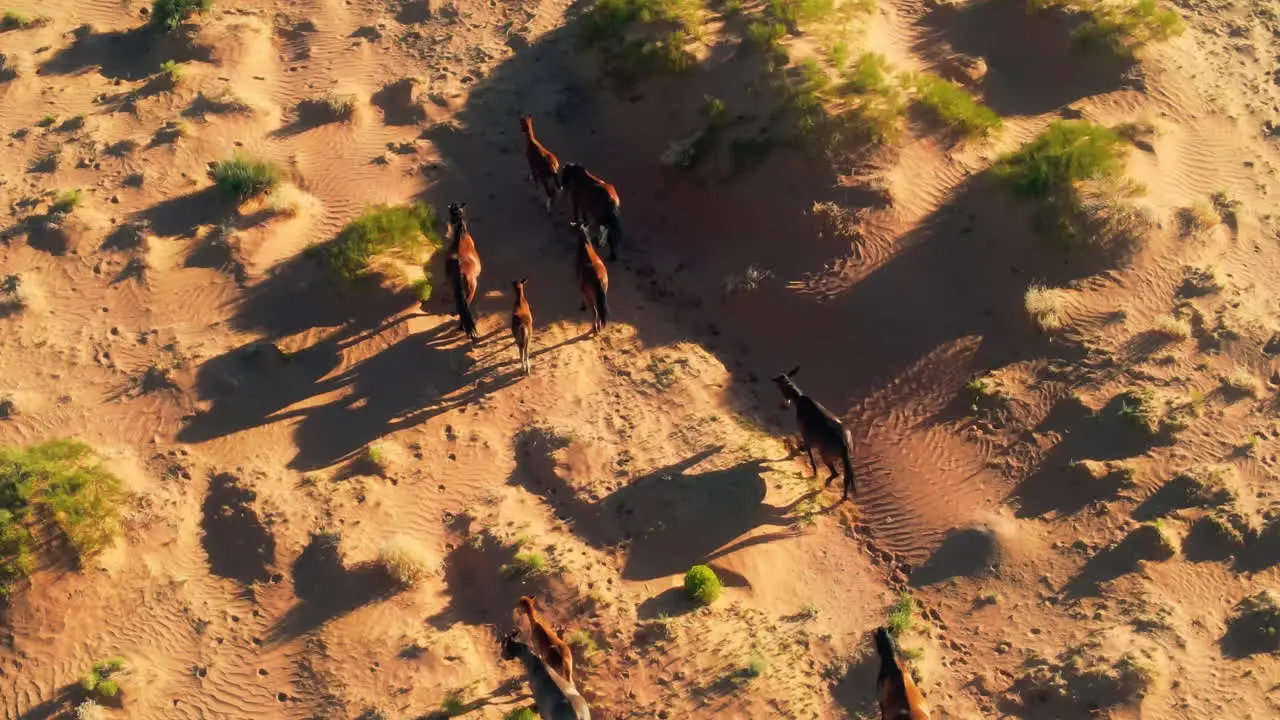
x=244 y=583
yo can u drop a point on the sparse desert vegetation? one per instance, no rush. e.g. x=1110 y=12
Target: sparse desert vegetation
x=242 y=177
x=404 y=229
x=169 y=15
x=406 y=560
x=1046 y=307
x=954 y=106
x=701 y=585
x=61 y=480
x=100 y=683
x=1171 y=328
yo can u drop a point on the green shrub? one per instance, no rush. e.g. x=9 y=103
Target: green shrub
x=241 y=177
x=1067 y=152
x=172 y=70
x=521 y=714
x=14 y=20
x=618 y=30
x=168 y=15
x=61 y=480
x=1124 y=28
x=526 y=564
x=66 y=201
x=954 y=105
x=901 y=614
x=702 y=585
x=584 y=646
x=381 y=229
x=794 y=13
x=98 y=679
x=869 y=74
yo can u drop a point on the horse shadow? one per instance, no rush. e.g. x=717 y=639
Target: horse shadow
x=670 y=519
x=327 y=589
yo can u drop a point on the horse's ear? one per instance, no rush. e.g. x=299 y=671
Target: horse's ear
x=793 y=371
x=461 y=205
x=524 y=280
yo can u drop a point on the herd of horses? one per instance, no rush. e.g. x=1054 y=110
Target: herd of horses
x=596 y=210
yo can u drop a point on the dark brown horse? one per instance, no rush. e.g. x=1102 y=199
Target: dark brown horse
x=899 y=697
x=593 y=279
x=595 y=203
x=462 y=267
x=554 y=651
x=522 y=323
x=544 y=167
x=820 y=430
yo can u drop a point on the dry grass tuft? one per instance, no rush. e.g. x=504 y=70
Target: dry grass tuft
x=288 y=200
x=1242 y=383
x=405 y=560
x=1171 y=328
x=1046 y=307
x=1196 y=219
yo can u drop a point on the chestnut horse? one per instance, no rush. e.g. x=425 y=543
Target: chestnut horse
x=544 y=167
x=553 y=651
x=899 y=697
x=593 y=280
x=522 y=323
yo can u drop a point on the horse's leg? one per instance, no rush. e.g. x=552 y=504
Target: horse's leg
x=834 y=473
x=813 y=464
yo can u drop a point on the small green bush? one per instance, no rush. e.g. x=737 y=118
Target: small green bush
x=98 y=679
x=609 y=27
x=241 y=177
x=14 y=20
x=901 y=614
x=702 y=585
x=521 y=714
x=61 y=480
x=955 y=106
x=1123 y=28
x=168 y=15
x=794 y=13
x=382 y=229
x=1067 y=152
x=66 y=202
x=171 y=69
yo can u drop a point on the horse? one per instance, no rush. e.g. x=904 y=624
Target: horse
x=594 y=202
x=553 y=651
x=820 y=430
x=462 y=267
x=544 y=167
x=593 y=279
x=522 y=323
x=555 y=697
x=899 y=697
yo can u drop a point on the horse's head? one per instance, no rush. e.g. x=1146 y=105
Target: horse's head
x=457 y=214
x=788 y=388
x=526 y=124
x=518 y=285
x=512 y=646
x=567 y=171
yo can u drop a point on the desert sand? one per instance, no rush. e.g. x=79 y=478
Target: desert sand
x=1058 y=565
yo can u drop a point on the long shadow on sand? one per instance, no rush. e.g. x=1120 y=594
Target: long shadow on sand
x=327 y=589
x=481 y=592
x=1086 y=435
x=671 y=519
x=1034 y=65
x=239 y=546
x=124 y=55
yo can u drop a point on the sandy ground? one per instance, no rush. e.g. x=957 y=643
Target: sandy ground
x=244 y=584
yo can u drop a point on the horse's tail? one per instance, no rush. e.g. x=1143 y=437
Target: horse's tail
x=602 y=300
x=849 y=482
